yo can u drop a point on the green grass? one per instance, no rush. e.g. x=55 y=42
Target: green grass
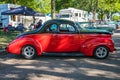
x=7 y=37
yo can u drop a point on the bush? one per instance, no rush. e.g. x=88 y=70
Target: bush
x=116 y=18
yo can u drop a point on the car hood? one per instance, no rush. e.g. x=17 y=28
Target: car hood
x=26 y=33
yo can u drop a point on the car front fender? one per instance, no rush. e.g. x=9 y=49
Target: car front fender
x=17 y=45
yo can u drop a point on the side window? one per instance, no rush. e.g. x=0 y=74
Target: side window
x=52 y=28
x=66 y=28
x=71 y=28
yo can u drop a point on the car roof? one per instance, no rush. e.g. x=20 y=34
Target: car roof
x=60 y=20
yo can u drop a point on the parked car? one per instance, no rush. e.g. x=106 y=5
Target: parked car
x=93 y=25
x=118 y=24
x=112 y=24
x=62 y=36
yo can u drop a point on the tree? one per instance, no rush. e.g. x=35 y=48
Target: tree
x=28 y=3
x=101 y=15
x=43 y=6
x=109 y=7
x=60 y=4
x=88 y=5
x=116 y=17
x=38 y=5
x=53 y=9
x=102 y=7
x=94 y=7
x=79 y=4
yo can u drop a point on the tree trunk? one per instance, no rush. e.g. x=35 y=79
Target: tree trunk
x=111 y=15
x=53 y=9
x=94 y=15
x=95 y=9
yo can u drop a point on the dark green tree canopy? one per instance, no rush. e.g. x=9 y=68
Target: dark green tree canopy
x=100 y=6
x=38 y=5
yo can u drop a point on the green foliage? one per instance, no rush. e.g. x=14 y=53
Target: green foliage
x=2 y=2
x=79 y=4
x=7 y=37
x=60 y=4
x=101 y=6
x=38 y=5
x=106 y=7
x=43 y=6
x=109 y=6
x=116 y=17
x=101 y=15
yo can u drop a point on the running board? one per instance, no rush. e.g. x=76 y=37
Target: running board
x=63 y=54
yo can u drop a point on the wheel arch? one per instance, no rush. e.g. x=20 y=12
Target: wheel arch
x=27 y=55
x=101 y=46
x=95 y=47
x=105 y=55
x=33 y=43
x=89 y=49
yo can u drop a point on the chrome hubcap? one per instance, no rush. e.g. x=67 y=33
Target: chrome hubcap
x=101 y=52
x=29 y=51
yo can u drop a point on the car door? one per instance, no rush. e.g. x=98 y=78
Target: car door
x=50 y=33
x=68 y=39
x=60 y=37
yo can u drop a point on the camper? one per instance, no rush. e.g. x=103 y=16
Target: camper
x=9 y=19
x=74 y=14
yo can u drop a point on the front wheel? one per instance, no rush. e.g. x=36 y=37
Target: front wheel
x=28 y=52
x=101 y=52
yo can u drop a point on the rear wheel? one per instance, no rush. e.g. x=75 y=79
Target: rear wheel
x=101 y=52
x=28 y=52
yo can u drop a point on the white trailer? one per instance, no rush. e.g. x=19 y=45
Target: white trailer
x=74 y=14
x=9 y=19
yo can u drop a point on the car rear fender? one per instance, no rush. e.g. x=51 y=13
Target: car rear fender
x=88 y=47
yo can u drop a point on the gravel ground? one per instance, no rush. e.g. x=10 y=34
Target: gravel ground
x=13 y=67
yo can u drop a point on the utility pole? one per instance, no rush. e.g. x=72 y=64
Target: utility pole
x=53 y=9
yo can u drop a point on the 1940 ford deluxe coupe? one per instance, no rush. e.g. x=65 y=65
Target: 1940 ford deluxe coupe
x=62 y=36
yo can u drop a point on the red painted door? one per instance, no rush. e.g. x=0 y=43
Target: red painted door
x=67 y=42
x=62 y=38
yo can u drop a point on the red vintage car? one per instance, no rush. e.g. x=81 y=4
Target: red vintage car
x=62 y=36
